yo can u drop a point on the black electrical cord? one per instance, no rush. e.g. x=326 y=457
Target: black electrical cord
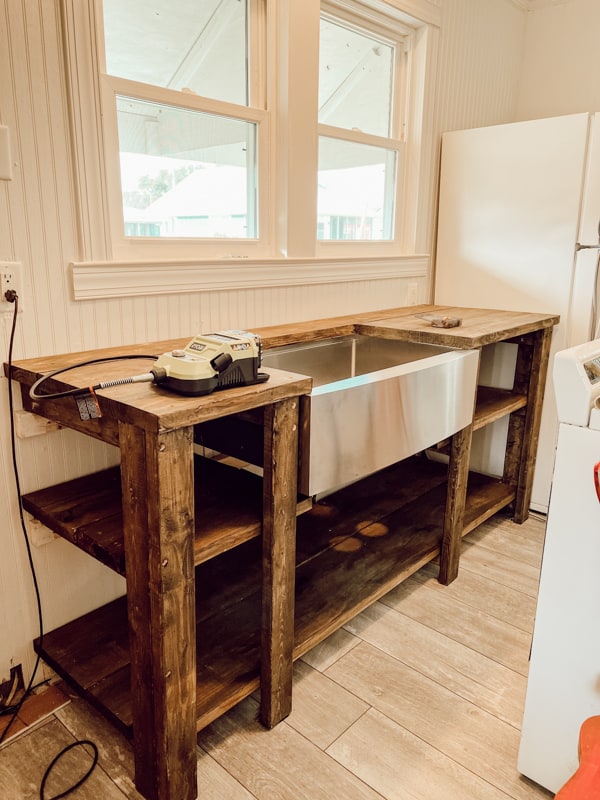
x=22 y=520
x=27 y=691
x=33 y=392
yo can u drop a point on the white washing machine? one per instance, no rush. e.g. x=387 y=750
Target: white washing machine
x=563 y=687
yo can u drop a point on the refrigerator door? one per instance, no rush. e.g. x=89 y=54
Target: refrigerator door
x=509 y=214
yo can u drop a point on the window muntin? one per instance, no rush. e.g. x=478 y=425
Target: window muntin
x=283 y=59
x=180 y=45
x=186 y=173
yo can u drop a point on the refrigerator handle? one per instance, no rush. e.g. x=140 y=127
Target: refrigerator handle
x=597 y=479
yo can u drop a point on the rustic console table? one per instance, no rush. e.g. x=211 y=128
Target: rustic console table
x=209 y=552
x=161 y=538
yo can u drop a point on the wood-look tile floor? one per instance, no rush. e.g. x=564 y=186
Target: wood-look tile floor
x=420 y=697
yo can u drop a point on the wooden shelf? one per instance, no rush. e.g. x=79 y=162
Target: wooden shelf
x=352 y=547
x=87 y=511
x=493 y=404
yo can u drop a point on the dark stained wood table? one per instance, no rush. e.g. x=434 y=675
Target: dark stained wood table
x=160 y=515
x=154 y=432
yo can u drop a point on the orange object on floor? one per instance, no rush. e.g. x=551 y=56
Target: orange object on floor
x=585 y=783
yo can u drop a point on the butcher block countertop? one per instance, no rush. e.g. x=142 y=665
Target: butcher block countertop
x=480 y=326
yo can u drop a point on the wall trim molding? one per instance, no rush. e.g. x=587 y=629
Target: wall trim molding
x=98 y=280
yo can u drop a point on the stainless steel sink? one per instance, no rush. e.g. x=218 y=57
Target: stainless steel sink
x=374 y=402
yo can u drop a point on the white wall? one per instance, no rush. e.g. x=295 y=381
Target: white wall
x=480 y=62
x=480 y=47
x=561 y=63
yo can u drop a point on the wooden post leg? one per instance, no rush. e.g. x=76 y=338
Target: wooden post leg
x=531 y=379
x=458 y=473
x=279 y=551
x=158 y=518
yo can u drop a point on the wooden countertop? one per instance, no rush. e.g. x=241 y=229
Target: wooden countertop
x=153 y=408
x=480 y=326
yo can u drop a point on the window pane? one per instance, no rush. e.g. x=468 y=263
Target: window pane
x=185 y=173
x=356 y=191
x=186 y=45
x=355 y=80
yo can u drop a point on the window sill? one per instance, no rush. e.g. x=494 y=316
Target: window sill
x=97 y=280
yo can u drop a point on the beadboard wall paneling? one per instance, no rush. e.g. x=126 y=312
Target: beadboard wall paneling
x=479 y=63
x=561 y=60
x=477 y=76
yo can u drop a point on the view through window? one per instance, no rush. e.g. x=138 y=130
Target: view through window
x=189 y=143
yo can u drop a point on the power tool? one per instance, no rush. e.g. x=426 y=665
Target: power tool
x=211 y=361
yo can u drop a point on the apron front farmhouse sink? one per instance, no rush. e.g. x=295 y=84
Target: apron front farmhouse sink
x=374 y=402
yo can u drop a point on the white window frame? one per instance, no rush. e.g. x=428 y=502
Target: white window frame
x=398 y=35
x=161 y=248
x=292 y=256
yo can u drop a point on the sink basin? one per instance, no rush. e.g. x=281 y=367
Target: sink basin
x=374 y=401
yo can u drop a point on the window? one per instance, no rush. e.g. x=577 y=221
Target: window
x=265 y=130
x=361 y=90
x=178 y=86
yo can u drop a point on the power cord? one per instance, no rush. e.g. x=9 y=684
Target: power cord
x=12 y=297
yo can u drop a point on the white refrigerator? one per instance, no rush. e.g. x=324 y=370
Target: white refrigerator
x=518 y=229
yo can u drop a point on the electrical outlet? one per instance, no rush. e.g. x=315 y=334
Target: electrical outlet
x=10 y=279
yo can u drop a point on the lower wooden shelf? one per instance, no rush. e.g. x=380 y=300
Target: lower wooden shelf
x=352 y=548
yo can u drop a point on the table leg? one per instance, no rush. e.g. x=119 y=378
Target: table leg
x=158 y=517
x=279 y=552
x=458 y=474
x=524 y=429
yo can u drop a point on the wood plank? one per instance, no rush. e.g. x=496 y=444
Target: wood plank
x=157 y=480
x=493 y=404
x=501 y=567
x=496 y=639
x=278 y=559
x=479 y=326
x=87 y=511
x=145 y=405
x=400 y=765
x=470 y=736
x=115 y=751
x=238 y=741
x=23 y=764
x=345 y=579
x=345 y=513
x=438 y=654
x=485 y=496
x=531 y=429
x=478 y=591
x=507 y=536
x=453 y=522
x=322 y=710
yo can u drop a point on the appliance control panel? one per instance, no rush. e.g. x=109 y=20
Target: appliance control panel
x=576 y=377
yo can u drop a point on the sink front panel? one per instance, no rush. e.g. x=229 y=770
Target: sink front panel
x=375 y=403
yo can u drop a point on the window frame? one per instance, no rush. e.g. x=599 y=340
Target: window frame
x=397 y=34
x=255 y=112
x=290 y=257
